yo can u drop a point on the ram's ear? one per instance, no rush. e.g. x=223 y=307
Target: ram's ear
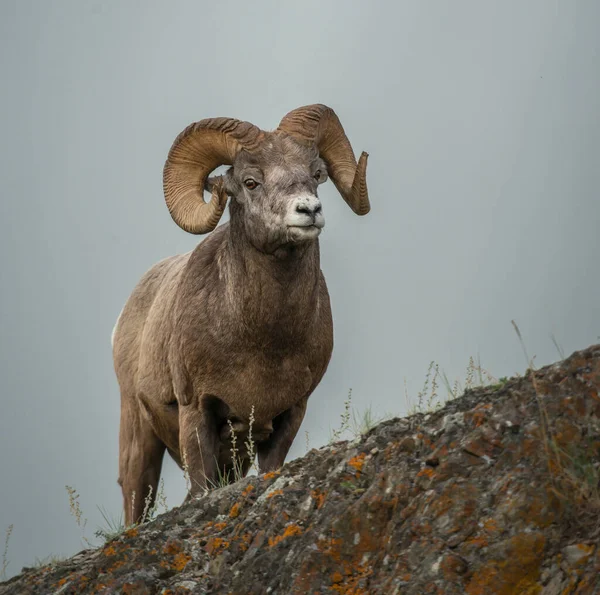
x=228 y=182
x=210 y=182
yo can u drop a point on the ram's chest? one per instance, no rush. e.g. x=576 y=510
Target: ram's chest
x=251 y=359
x=270 y=383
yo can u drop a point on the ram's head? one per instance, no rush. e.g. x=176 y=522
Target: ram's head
x=273 y=179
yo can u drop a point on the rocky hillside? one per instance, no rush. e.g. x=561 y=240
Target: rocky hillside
x=495 y=493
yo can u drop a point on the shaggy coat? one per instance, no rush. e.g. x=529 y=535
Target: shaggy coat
x=236 y=332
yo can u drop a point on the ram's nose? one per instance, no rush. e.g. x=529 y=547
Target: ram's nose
x=309 y=205
x=306 y=211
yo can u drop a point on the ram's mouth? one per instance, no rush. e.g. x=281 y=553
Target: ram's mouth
x=317 y=223
x=310 y=226
x=304 y=232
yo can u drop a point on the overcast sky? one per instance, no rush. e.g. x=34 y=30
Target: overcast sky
x=481 y=120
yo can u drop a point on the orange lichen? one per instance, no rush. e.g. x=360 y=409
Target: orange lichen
x=247 y=490
x=271 y=474
x=479 y=415
x=244 y=541
x=133 y=532
x=490 y=525
x=331 y=546
x=318 y=497
x=505 y=577
x=357 y=462
x=275 y=493
x=442 y=451
x=452 y=566
x=216 y=544
x=289 y=531
x=118 y=564
x=180 y=561
x=351 y=582
x=235 y=511
x=478 y=418
x=426 y=472
x=219 y=526
x=110 y=550
x=478 y=541
x=171 y=548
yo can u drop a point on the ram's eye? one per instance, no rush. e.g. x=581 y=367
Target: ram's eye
x=318 y=174
x=250 y=184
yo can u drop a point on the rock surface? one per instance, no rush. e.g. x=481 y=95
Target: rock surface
x=497 y=492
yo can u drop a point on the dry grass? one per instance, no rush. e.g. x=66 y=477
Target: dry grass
x=574 y=474
x=575 y=479
x=429 y=399
x=364 y=422
x=114 y=526
x=336 y=435
x=50 y=560
x=227 y=477
x=76 y=513
x=249 y=443
x=5 y=560
x=354 y=424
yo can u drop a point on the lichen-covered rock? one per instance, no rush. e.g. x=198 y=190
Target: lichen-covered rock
x=495 y=493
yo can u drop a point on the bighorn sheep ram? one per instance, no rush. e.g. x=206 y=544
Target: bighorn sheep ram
x=243 y=321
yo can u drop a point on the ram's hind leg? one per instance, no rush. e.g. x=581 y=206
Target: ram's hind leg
x=140 y=461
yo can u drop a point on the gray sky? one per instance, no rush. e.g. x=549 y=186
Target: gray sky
x=481 y=120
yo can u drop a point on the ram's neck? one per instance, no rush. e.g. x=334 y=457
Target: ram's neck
x=275 y=296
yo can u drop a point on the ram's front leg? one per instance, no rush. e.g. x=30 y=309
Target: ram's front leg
x=199 y=443
x=272 y=452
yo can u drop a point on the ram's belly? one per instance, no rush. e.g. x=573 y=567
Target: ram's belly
x=270 y=384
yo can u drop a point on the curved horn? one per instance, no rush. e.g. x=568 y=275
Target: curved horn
x=319 y=124
x=198 y=150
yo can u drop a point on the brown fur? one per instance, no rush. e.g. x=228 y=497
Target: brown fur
x=243 y=320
